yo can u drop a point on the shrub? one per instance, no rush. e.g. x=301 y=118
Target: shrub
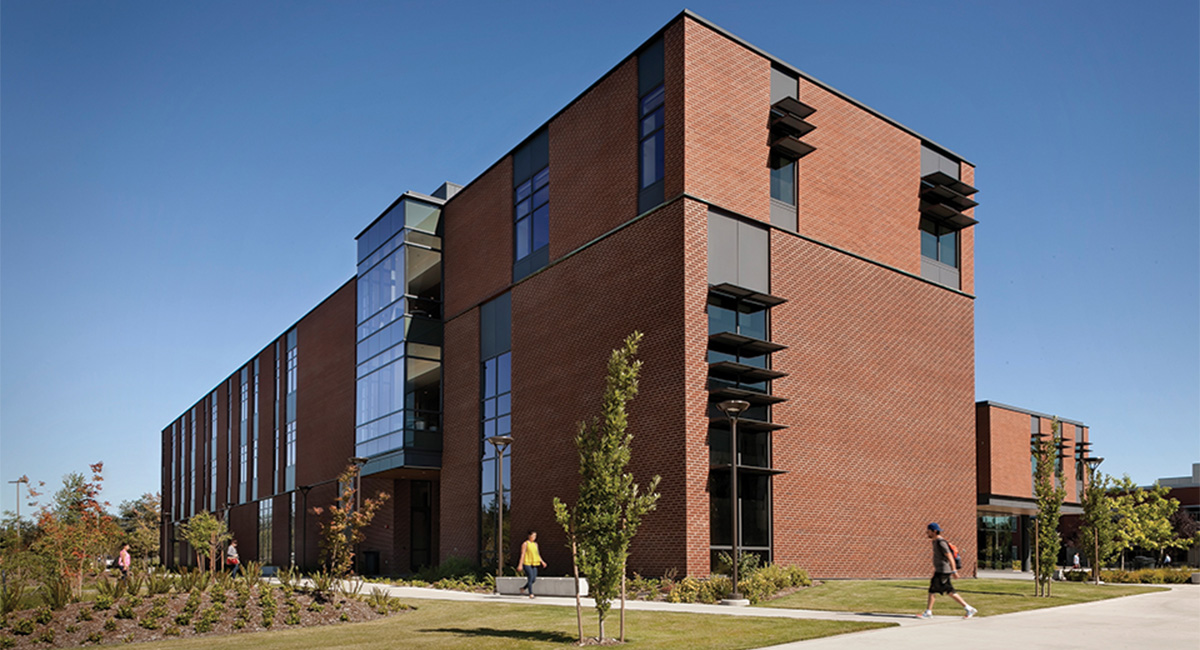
x=350 y=587
x=102 y=602
x=84 y=614
x=7 y=642
x=72 y=628
x=171 y=630
x=344 y=617
x=94 y=637
x=252 y=571
x=124 y=610
x=11 y=595
x=56 y=592
x=159 y=583
x=693 y=590
x=43 y=615
x=110 y=625
x=47 y=636
x=1077 y=576
x=452 y=567
x=149 y=622
x=23 y=626
x=133 y=583
x=1147 y=576
x=323 y=584
x=769 y=580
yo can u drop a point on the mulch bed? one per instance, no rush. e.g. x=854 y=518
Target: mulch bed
x=69 y=627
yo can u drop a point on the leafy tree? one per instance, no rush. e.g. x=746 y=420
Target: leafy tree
x=207 y=534
x=139 y=520
x=1144 y=518
x=343 y=530
x=611 y=505
x=1096 y=533
x=1047 y=488
x=71 y=539
x=1187 y=529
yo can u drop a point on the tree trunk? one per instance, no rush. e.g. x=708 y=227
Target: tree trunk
x=601 y=628
x=622 y=601
x=578 y=598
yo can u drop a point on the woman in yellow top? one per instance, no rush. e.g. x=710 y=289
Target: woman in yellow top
x=529 y=561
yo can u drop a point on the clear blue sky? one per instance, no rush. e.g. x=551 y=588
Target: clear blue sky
x=179 y=182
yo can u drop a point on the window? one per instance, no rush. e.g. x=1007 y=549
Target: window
x=532 y=213
x=291 y=369
x=939 y=243
x=651 y=118
x=291 y=444
x=266 y=512
x=783 y=180
x=652 y=137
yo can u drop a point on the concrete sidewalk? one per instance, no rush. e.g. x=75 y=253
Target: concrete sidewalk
x=1161 y=621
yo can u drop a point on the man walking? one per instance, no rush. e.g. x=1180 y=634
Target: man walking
x=944 y=566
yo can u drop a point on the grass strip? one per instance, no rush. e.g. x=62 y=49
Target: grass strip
x=989 y=596
x=481 y=626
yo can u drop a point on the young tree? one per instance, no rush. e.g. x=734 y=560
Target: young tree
x=1144 y=518
x=1096 y=533
x=1048 y=490
x=611 y=505
x=207 y=534
x=140 y=520
x=343 y=530
x=71 y=539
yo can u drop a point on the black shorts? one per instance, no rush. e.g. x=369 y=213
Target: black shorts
x=940 y=584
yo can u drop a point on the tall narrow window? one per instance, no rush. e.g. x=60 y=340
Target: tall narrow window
x=651 y=120
x=291 y=445
x=495 y=408
x=783 y=180
x=652 y=137
x=531 y=205
x=266 y=512
x=212 y=486
x=532 y=212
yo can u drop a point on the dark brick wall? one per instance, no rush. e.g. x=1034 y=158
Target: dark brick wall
x=460 y=491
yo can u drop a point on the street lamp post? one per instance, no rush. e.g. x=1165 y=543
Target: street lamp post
x=1093 y=463
x=500 y=443
x=358 y=462
x=18 y=483
x=732 y=409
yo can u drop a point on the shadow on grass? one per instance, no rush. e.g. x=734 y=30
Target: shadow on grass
x=523 y=635
x=968 y=590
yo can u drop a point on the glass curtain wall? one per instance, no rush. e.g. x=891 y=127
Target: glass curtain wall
x=399 y=334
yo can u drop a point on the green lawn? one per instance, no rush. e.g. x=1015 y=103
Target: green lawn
x=990 y=597
x=479 y=626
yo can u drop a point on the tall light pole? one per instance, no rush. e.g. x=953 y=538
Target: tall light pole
x=732 y=409
x=1092 y=463
x=358 y=462
x=18 y=482
x=500 y=443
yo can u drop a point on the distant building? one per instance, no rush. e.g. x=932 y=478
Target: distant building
x=1186 y=489
x=777 y=242
x=1005 y=468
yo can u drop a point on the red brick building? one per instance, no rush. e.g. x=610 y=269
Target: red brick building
x=1006 y=467
x=776 y=242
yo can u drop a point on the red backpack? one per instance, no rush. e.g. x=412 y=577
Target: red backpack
x=954 y=552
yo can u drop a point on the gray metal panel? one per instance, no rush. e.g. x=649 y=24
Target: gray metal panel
x=754 y=259
x=783 y=215
x=651 y=196
x=942 y=274
x=783 y=85
x=933 y=161
x=531 y=156
x=495 y=326
x=722 y=249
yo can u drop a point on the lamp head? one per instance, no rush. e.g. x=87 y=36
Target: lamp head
x=733 y=407
x=501 y=442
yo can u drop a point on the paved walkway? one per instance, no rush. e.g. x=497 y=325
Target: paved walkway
x=1162 y=621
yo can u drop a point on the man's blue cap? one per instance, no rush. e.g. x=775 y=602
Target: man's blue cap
x=935 y=528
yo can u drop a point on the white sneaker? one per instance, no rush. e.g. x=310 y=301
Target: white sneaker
x=926 y=614
x=971 y=611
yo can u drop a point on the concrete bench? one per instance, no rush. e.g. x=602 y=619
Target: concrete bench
x=556 y=586
x=1195 y=579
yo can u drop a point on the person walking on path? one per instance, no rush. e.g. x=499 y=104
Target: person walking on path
x=529 y=561
x=124 y=560
x=231 y=558
x=944 y=566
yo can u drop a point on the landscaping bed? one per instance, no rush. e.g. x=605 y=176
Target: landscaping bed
x=243 y=608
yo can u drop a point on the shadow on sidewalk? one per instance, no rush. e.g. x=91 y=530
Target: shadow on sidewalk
x=523 y=635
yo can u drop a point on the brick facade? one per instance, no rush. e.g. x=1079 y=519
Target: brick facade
x=880 y=361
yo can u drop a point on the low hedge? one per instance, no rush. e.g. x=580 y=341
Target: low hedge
x=1148 y=576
